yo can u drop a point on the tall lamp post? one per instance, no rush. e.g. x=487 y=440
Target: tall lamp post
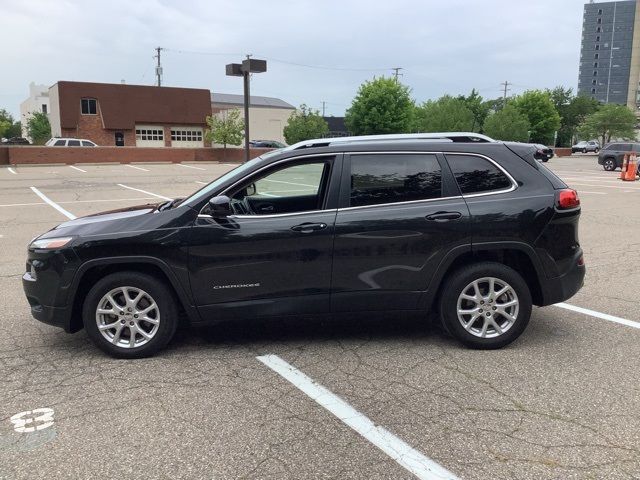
x=244 y=69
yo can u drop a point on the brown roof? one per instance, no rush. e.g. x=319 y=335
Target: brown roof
x=122 y=106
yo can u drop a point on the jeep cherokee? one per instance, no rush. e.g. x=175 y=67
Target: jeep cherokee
x=473 y=229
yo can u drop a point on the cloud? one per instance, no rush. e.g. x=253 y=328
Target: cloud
x=444 y=47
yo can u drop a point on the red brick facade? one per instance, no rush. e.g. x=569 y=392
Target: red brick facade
x=29 y=155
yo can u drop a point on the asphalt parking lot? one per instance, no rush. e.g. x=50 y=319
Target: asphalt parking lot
x=562 y=402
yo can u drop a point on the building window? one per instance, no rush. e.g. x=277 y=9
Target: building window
x=598 y=38
x=597 y=47
x=593 y=82
x=599 y=21
x=596 y=56
x=595 y=73
x=148 y=134
x=44 y=108
x=599 y=11
x=186 y=135
x=595 y=64
x=599 y=30
x=89 y=106
x=593 y=90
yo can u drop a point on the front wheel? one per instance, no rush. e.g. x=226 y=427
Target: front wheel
x=130 y=315
x=486 y=305
x=609 y=164
x=584 y=150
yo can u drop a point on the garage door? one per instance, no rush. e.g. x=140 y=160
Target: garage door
x=190 y=137
x=149 y=136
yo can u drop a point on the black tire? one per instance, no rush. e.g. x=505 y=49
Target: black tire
x=545 y=160
x=456 y=284
x=596 y=150
x=584 y=150
x=609 y=164
x=157 y=290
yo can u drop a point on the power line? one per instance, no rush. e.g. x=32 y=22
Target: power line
x=506 y=89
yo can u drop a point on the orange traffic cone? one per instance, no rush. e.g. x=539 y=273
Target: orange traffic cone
x=625 y=164
x=632 y=168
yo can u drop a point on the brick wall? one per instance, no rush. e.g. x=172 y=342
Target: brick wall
x=23 y=155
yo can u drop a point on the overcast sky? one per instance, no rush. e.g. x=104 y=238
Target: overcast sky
x=444 y=46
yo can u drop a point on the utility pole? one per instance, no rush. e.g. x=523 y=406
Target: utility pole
x=158 y=66
x=505 y=84
x=323 y=102
x=396 y=73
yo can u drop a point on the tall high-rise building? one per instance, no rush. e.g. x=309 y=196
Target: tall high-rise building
x=610 y=53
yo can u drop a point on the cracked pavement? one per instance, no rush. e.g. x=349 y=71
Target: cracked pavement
x=562 y=402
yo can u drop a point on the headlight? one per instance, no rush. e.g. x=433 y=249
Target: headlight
x=50 y=243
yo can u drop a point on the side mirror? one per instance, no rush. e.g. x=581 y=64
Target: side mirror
x=220 y=206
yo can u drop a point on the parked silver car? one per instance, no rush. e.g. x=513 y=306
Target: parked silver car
x=584 y=147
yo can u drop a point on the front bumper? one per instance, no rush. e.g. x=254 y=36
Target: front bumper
x=46 y=285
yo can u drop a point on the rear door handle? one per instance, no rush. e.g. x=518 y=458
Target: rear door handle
x=309 y=227
x=444 y=216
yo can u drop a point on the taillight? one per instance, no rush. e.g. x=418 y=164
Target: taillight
x=568 y=198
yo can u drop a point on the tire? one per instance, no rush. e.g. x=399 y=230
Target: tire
x=609 y=164
x=162 y=319
x=545 y=160
x=471 y=334
x=597 y=150
x=584 y=150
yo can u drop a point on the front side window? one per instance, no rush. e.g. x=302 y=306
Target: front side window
x=289 y=189
x=477 y=174
x=86 y=143
x=89 y=106
x=380 y=179
x=59 y=143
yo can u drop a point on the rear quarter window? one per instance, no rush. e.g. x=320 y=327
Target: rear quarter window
x=477 y=174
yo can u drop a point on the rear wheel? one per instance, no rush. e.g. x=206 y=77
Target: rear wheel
x=609 y=164
x=596 y=150
x=486 y=305
x=130 y=315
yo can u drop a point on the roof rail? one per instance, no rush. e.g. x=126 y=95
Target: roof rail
x=466 y=137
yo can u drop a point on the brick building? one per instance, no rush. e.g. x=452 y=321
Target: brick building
x=129 y=115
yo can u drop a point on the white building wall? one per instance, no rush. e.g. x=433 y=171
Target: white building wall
x=38 y=101
x=54 y=111
x=264 y=123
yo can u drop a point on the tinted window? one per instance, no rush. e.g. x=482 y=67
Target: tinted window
x=377 y=179
x=87 y=144
x=476 y=174
x=73 y=143
x=59 y=143
x=88 y=106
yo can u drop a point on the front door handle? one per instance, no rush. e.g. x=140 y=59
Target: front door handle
x=444 y=216
x=309 y=227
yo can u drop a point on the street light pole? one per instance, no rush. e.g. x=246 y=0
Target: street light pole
x=244 y=70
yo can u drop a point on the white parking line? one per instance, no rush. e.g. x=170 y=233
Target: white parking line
x=11 y=170
x=76 y=168
x=406 y=456
x=595 y=193
x=290 y=183
x=603 y=316
x=145 y=192
x=137 y=168
x=70 y=216
x=190 y=166
x=201 y=183
x=596 y=185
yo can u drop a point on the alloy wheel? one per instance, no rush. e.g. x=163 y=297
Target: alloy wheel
x=488 y=307
x=127 y=317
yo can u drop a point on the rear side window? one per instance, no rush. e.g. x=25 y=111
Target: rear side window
x=59 y=143
x=380 y=179
x=73 y=143
x=477 y=174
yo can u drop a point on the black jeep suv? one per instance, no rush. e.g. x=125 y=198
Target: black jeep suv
x=473 y=229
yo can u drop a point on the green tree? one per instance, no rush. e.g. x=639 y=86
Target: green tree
x=38 y=128
x=8 y=127
x=382 y=105
x=543 y=118
x=508 y=125
x=447 y=114
x=609 y=122
x=305 y=124
x=226 y=129
x=573 y=110
x=478 y=107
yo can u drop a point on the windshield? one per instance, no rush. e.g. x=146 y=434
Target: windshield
x=218 y=182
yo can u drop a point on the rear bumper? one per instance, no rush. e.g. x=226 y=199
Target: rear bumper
x=559 y=289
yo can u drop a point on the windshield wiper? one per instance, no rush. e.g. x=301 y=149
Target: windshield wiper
x=169 y=204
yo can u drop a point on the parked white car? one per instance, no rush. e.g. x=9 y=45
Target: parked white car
x=70 y=142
